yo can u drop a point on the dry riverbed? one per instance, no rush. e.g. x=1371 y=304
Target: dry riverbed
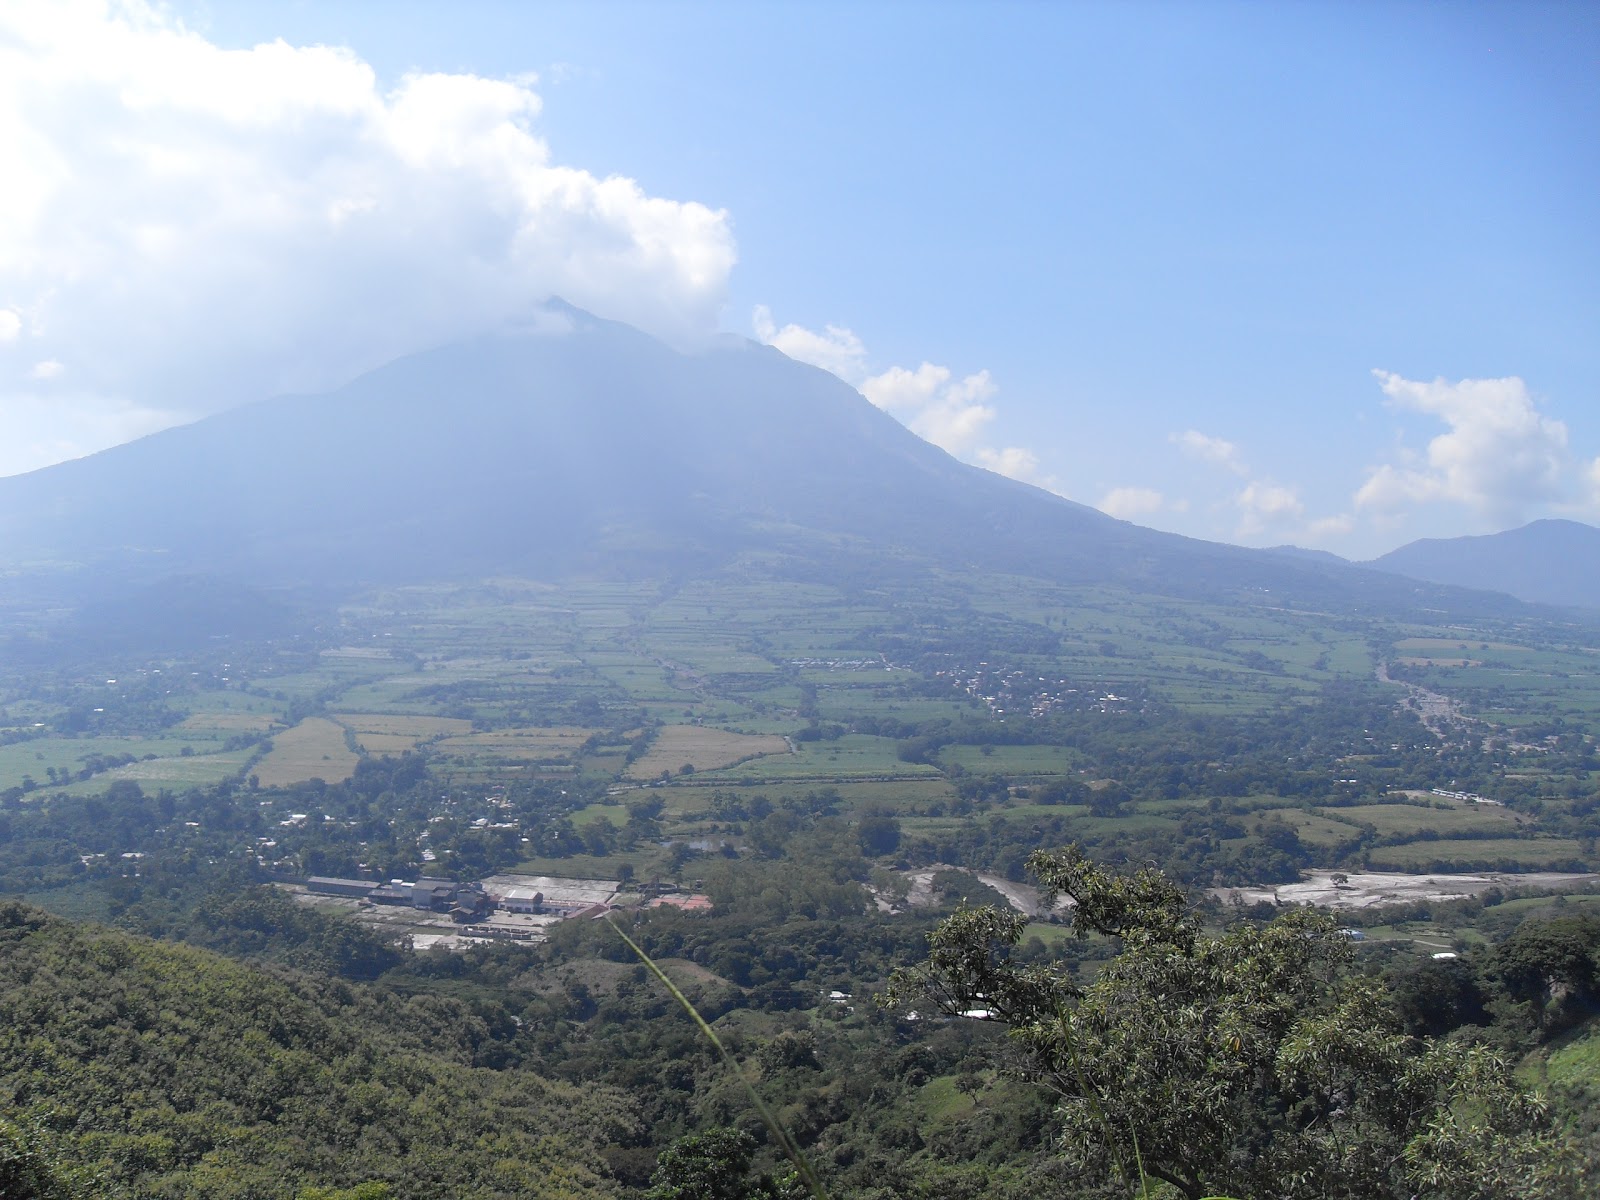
x=1370 y=889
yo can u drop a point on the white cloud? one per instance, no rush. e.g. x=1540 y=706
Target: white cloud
x=1215 y=450
x=1329 y=528
x=930 y=401
x=835 y=349
x=1262 y=504
x=948 y=412
x=48 y=369
x=1499 y=457
x=191 y=226
x=1592 y=479
x=1126 y=503
x=1013 y=462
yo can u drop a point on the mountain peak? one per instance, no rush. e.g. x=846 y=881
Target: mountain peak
x=1549 y=561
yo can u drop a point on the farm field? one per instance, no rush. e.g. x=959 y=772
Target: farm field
x=1523 y=854
x=387 y=733
x=45 y=759
x=852 y=756
x=228 y=722
x=313 y=749
x=1408 y=820
x=888 y=698
x=703 y=749
x=196 y=770
x=531 y=744
x=1315 y=828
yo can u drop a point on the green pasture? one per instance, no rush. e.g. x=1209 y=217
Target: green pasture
x=1315 y=829
x=199 y=770
x=1477 y=854
x=1546 y=907
x=616 y=814
x=1047 y=933
x=692 y=796
x=1571 y=1062
x=389 y=695
x=852 y=756
x=940 y=1100
x=35 y=757
x=1408 y=820
x=899 y=795
x=521 y=744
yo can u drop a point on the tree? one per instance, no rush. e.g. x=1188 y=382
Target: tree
x=1554 y=967
x=30 y=1169
x=1250 y=1063
x=879 y=834
x=714 y=1165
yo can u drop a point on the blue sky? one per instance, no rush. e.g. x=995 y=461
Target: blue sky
x=1320 y=273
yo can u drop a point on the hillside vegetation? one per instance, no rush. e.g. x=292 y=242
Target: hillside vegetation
x=172 y=1072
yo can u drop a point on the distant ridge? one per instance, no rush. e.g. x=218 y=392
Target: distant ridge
x=1322 y=556
x=1545 y=562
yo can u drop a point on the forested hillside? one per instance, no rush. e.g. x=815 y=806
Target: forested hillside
x=169 y=1071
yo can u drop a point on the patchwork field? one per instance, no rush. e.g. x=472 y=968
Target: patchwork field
x=506 y=681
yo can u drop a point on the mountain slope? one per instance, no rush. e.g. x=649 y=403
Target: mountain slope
x=1546 y=562
x=590 y=446
x=505 y=453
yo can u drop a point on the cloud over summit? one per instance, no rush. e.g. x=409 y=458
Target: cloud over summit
x=930 y=401
x=183 y=226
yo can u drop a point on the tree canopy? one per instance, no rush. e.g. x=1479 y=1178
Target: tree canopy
x=1251 y=1062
